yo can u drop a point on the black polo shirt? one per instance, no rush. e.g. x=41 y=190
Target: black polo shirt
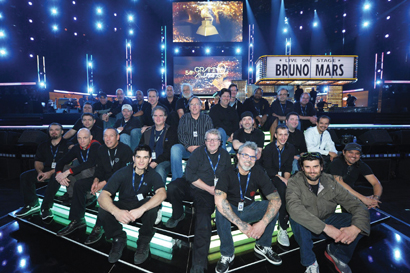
x=256 y=108
x=297 y=139
x=351 y=173
x=270 y=159
x=256 y=136
x=182 y=103
x=47 y=153
x=169 y=106
x=281 y=109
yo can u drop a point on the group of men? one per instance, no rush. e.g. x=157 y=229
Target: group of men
x=115 y=164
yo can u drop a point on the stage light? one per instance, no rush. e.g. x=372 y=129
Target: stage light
x=176 y=50
x=115 y=14
x=90 y=64
x=207 y=50
x=285 y=30
x=129 y=44
x=343 y=31
x=398 y=237
x=131 y=32
x=31 y=38
x=223 y=51
x=162 y=46
x=300 y=27
x=75 y=18
x=130 y=18
x=366 y=24
x=288 y=43
x=397 y=254
x=163 y=94
x=250 y=69
x=386 y=36
x=23 y=263
x=1 y=15
x=90 y=89
x=99 y=10
x=3 y=52
x=54 y=11
x=251 y=45
x=2 y=34
x=388 y=18
x=129 y=93
x=19 y=249
x=163 y=70
x=115 y=29
x=30 y=4
x=99 y=25
x=30 y=21
x=55 y=27
x=238 y=50
x=326 y=89
x=31 y=55
x=42 y=84
x=315 y=24
x=75 y=33
x=366 y=6
x=73 y=2
x=301 y=12
x=344 y=14
x=129 y=69
x=388 y=52
x=193 y=50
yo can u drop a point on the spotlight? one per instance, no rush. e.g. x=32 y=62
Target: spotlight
x=129 y=93
x=30 y=4
x=207 y=50
x=163 y=70
x=90 y=64
x=75 y=18
x=366 y=6
x=326 y=89
x=73 y=2
x=300 y=27
x=129 y=69
x=388 y=17
x=163 y=94
x=31 y=55
x=388 y=52
x=251 y=45
x=162 y=46
x=343 y=31
x=115 y=29
x=115 y=14
x=42 y=84
x=301 y=12
x=54 y=11
x=285 y=30
x=30 y=21
x=129 y=44
x=176 y=50
x=90 y=89
x=223 y=51
x=315 y=24
x=75 y=33
x=31 y=38
x=386 y=36
x=99 y=25
x=250 y=69
x=19 y=249
x=131 y=32
x=3 y=52
x=366 y=24
x=99 y=10
x=130 y=18
x=288 y=43
x=55 y=27
x=193 y=50
x=23 y=263
x=344 y=14
x=238 y=50
x=2 y=34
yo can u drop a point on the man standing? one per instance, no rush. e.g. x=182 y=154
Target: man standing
x=191 y=134
x=224 y=118
x=351 y=101
x=312 y=197
x=47 y=155
x=170 y=101
x=296 y=138
x=346 y=170
x=259 y=107
x=306 y=111
x=128 y=127
x=117 y=106
x=235 y=202
x=281 y=106
x=277 y=160
x=313 y=95
x=133 y=183
x=182 y=107
x=87 y=108
x=234 y=102
x=110 y=157
x=298 y=93
x=86 y=153
x=248 y=133
x=318 y=139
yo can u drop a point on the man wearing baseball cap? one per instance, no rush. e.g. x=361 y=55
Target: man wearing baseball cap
x=346 y=170
x=128 y=127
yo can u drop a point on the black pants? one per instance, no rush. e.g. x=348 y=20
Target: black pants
x=28 y=182
x=204 y=207
x=178 y=191
x=283 y=214
x=81 y=187
x=113 y=228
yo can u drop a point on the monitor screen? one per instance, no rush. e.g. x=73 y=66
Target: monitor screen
x=216 y=21
x=207 y=74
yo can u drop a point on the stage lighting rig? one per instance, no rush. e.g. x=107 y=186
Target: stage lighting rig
x=55 y=28
x=366 y=6
x=2 y=34
x=238 y=50
x=99 y=11
x=54 y=11
x=130 y=18
x=3 y=52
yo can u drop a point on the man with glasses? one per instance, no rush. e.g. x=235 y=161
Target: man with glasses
x=312 y=197
x=346 y=170
x=235 y=202
x=277 y=160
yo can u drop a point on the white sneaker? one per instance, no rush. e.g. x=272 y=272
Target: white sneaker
x=283 y=238
x=159 y=217
x=314 y=268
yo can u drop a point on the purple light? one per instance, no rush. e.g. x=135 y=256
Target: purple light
x=300 y=27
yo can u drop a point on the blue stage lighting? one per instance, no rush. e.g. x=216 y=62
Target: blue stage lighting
x=162 y=46
x=129 y=44
x=90 y=64
x=23 y=263
x=115 y=14
x=366 y=24
x=207 y=50
x=129 y=69
x=3 y=52
x=75 y=18
x=366 y=6
x=326 y=89
x=90 y=89
x=163 y=94
x=301 y=12
x=73 y=2
x=75 y=33
x=54 y=11
x=31 y=55
x=315 y=24
x=344 y=30
x=31 y=38
x=176 y=50
x=344 y=14
x=131 y=32
x=99 y=10
x=55 y=27
x=388 y=52
x=251 y=45
x=238 y=50
x=163 y=70
x=115 y=29
x=2 y=34
x=386 y=36
x=130 y=18
x=288 y=43
x=301 y=27
x=99 y=25
x=285 y=30
x=388 y=18
x=193 y=50
x=30 y=3
x=30 y=21
x=42 y=84
x=129 y=93
x=250 y=69
x=1 y=16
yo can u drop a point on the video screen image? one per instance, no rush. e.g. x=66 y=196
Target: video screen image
x=216 y=21
x=208 y=74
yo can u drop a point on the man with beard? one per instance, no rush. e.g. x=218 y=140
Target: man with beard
x=236 y=204
x=296 y=138
x=88 y=121
x=47 y=155
x=182 y=106
x=277 y=161
x=312 y=197
x=234 y=102
x=128 y=127
x=170 y=101
x=117 y=106
x=346 y=170
x=306 y=111
x=248 y=133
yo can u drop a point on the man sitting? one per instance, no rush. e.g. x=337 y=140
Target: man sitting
x=129 y=127
x=235 y=202
x=296 y=138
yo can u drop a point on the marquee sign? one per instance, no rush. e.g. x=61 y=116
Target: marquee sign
x=306 y=70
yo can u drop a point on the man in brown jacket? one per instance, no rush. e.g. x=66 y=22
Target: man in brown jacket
x=311 y=200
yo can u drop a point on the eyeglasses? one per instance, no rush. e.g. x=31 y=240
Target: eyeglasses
x=212 y=140
x=314 y=154
x=195 y=104
x=247 y=157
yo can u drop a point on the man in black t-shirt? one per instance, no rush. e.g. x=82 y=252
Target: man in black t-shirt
x=103 y=105
x=182 y=106
x=235 y=202
x=306 y=111
x=133 y=183
x=346 y=170
x=48 y=153
x=170 y=101
x=296 y=138
x=351 y=101
x=88 y=120
x=260 y=109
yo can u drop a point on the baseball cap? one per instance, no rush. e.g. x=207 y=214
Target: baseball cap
x=353 y=147
x=247 y=114
x=126 y=106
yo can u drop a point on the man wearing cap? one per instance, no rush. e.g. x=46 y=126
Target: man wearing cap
x=248 y=133
x=103 y=105
x=128 y=127
x=117 y=105
x=346 y=170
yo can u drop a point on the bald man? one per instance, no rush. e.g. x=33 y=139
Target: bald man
x=86 y=153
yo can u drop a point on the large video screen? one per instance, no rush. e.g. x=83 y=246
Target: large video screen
x=208 y=74
x=216 y=21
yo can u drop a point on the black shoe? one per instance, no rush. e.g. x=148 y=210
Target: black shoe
x=90 y=201
x=46 y=214
x=72 y=226
x=197 y=269
x=141 y=254
x=67 y=202
x=118 y=245
x=27 y=210
x=224 y=263
x=95 y=235
x=267 y=252
x=171 y=223
x=63 y=197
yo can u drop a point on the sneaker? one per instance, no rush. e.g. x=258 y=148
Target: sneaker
x=27 y=210
x=196 y=269
x=171 y=223
x=159 y=217
x=283 y=238
x=95 y=235
x=224 y=263
x=268 y=253
x=141 y=254
x=117 y=247
x=340 y=266
x=46 y=214
x=314 y=268
x=63 y=197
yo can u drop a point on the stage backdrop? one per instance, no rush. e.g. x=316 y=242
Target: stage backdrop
x=207 y=74
x=216 y=21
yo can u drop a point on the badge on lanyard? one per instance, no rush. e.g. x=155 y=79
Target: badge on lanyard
x=240 y=206
x=140 y=196
x=280 y=173
x=53 y=165
x=153 y=155
x=195 y=133
x=215 y=181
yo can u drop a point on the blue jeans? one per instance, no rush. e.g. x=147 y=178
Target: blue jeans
x=250 y=214
x=178 y=152
x=132 y=140
x=224 y=137
x=304 y=238
x=163 y=170
x=295 y=166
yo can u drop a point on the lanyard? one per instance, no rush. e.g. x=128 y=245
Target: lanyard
x=133 y=181
x=139 y=107
x=156 y=139
x=321 y=138
x=283 y=109
x=303 y=111
x=280 y=155
x=84 y=160
x=240 y=187
x=210 y=162
x=54 y=154
x=109 y=157
x=186 y=105
x=124 y=123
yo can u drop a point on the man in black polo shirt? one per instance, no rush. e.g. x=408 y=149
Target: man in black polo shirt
x=234 y=102
x=248 y=133
x=296 y=137
x=103 y=105
x=110 y=157
x=182 y=106
x=88 y=121
x=346 y=170
x=133 y=183
x=235 y=202
x=170 y=101
x=86 y=153
x=139 y=105
x=281 y=106
x=153 y=98
x=47 y=155
x=306 y=111
x=128 y=127
x=277 y=160
x=259 y=107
